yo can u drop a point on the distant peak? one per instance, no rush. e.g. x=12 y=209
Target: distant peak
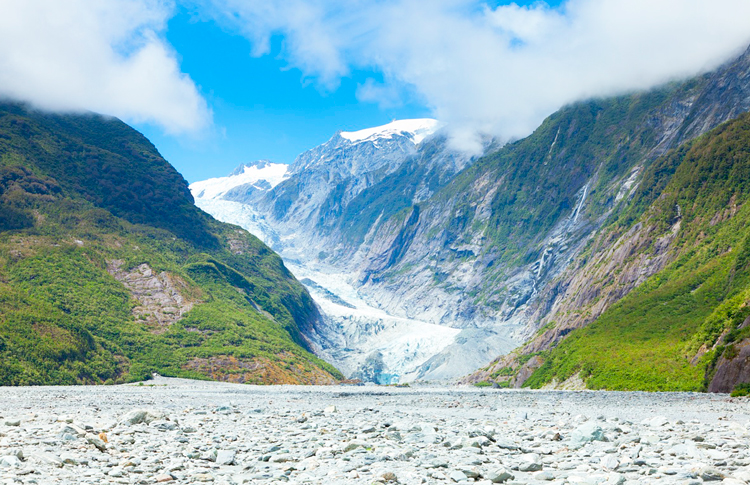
x=259 y=164
x=264 y=175
x=417 y=129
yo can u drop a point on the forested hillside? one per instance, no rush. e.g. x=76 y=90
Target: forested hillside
x=108 y=272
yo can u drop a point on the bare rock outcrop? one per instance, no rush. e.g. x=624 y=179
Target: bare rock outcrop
x=733 y=368
x=161 y=297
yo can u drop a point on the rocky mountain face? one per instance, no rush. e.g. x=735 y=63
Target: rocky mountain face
x=643 y=245
x=515 y=247
x=488 y=252
x=108 y=271
x=319 y=217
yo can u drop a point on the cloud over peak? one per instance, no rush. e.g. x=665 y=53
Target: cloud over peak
x=498 y=70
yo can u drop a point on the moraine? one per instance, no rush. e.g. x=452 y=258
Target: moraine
x=181 y=431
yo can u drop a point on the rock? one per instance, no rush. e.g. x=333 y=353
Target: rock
x=389 y=477
x=530 y=462
x=586 y=433
x=9 y=461
x=163 y=477
x=225 y=457
x=138 y=416
x=330 y=410
x=97 y=442
x=656 y=422
x=610 y=462
x=543 y=476
x=478 y=442
x=499 y=475
x=46 y=459
x=281 y=458
x=164 y=425
x=506 y=444
x=72 y=430
x=711 y=474
x=649 y=439
x=470 y=472
x=458 y=476
x=13 y=422
x=615 y=479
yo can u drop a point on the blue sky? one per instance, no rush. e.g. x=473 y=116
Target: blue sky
x=216 y=83
x=262 y=107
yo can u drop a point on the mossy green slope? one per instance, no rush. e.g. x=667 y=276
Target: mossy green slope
x=668 y=333
x=85 y=202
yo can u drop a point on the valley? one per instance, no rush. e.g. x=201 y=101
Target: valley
x=591 y=236
x=515 y=248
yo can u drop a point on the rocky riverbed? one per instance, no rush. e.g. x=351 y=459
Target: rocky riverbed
x=179 y=431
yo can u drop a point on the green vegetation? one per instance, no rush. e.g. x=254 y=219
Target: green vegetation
x=82 y=195
x=543 y=175
x=666 y=334
x=741 y=390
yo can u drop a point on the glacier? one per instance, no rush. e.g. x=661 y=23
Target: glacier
x=362 y=340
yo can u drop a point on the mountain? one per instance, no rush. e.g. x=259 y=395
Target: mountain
x=486 y=254
x=632 y=251
x=245 y=181
x=108 y=271
x=681 y=246
x=318 y=217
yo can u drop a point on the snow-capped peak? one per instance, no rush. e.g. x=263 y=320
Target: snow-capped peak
x=417 y=129
x=262 y=173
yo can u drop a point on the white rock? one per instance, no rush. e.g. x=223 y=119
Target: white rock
x=586 y=433
x=46 y=458
x=610 y=462
x=138 y=416
x=530 y=462
x=225 y=457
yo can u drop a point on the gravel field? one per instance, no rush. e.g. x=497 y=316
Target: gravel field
x=181 y=431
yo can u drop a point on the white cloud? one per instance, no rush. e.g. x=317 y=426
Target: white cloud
x=105 y=56
x=496 y=70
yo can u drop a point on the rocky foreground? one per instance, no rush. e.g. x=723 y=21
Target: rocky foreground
x=173 y=430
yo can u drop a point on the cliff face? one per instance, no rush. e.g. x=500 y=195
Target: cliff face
x=661 y=298
x=516 y=247
x=512 y=245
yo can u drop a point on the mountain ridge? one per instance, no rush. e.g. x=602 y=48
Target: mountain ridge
x=482 y=245
x=108 y=271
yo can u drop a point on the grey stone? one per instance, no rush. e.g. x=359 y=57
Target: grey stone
x=586 y=433
x=711 y=474
x=97 y=442
x=500 y=475
x=138 y=416
x=458 y=476
x=225 y=457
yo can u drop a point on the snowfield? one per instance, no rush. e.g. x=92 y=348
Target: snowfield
x=417 y=130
